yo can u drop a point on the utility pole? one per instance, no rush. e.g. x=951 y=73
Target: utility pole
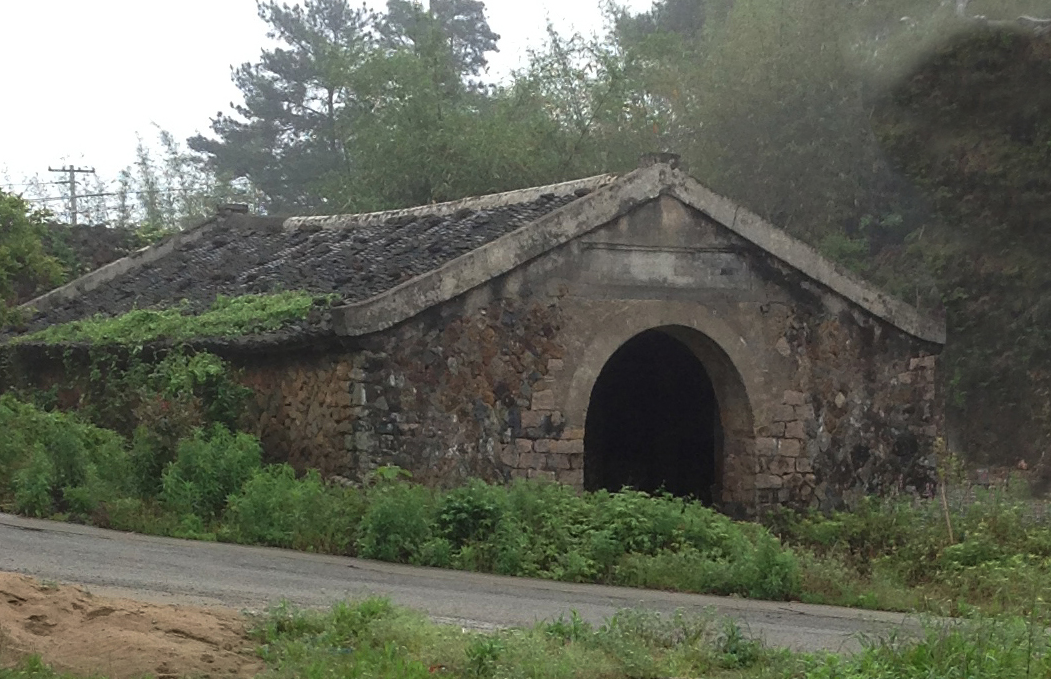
x=72 y=181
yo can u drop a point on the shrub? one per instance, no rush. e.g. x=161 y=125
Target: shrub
x=275 y=508
x=207 y=469
x=51 y=461
x=397 y=522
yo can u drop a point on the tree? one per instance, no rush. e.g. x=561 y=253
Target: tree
x=288 y=138
x=25 y=268
x=459 y=24
x=321 y=109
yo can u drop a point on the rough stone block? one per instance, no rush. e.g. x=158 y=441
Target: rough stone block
x=533 y=418
x=785 y=413
x=576 y=460
x=558 y=461
x=773 y=430
x=767 y=481
x=571 y=477
x=573 y=434
x=556 y=365
x=923 y=363
x=805 y=412
x=523 y=445
x=790 y=448
x=575 y=447
x=795 y=430
x=779 y=466
x=804 y=465
x=544 y=446
x=766 y=447
x=794 y=398
x=544 y=400
x=530 y=461
x=509 y=455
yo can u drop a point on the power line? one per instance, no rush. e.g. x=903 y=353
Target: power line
x=111 y=193
x=73 y=171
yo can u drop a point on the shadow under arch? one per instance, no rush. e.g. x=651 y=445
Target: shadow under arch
x=669 y=409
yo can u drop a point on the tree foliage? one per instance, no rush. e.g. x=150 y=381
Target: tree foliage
x=25 y=267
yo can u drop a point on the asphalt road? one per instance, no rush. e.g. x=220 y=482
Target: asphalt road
x=166 y=570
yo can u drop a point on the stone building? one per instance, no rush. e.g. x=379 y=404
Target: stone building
x=635 y=330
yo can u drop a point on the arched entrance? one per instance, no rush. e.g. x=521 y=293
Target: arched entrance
x=653 y=421
x=665 y=412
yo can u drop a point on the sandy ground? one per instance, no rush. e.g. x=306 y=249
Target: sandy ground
x=84 y=634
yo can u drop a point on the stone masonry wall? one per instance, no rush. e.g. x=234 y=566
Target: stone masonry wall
x=447 y=398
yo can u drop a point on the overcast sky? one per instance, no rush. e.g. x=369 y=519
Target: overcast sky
x=81 y=77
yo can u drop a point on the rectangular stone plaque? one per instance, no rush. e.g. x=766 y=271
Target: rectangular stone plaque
x=680 y=268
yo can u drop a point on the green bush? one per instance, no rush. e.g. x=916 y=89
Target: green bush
x=277 y=509
x=207 y=469
x=398 y=522
x=52 y=462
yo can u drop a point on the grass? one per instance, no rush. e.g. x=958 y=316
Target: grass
x=374 y=638
x=226 y=317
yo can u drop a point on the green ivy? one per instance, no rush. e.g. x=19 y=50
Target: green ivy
x=226 y=317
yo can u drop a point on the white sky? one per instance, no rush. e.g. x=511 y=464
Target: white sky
x=81 y=77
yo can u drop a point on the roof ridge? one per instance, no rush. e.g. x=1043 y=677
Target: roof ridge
x=484 y=202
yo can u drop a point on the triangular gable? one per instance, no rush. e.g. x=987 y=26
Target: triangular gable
x=601 y=207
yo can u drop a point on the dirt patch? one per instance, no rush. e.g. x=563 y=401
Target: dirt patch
x=77 y=632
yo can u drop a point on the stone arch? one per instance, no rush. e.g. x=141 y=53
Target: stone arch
x=717 y=351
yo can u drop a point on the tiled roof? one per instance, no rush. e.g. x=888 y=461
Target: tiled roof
x=353 y=256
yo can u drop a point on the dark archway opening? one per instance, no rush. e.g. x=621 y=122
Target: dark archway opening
x=653 y=421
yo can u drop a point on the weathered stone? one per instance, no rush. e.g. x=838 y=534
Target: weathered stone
x=555 y=365
x=923 y=363
x=783 y=413
x=795 y=430
x=805 y=412
x=771 y=430
x=532 y=419
x=790 y=448
x=569 y=447
x=571 y=477
x=543 y=445
x=509 y=455
x=765 y=481
x=543 y=400
x=794 y=398
x=841 y=400
x=781 y=465
x=557 y=461
x=573 y=433
x=766 y=447
x=531 y=461
x=523 y=445
x=804 y=465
